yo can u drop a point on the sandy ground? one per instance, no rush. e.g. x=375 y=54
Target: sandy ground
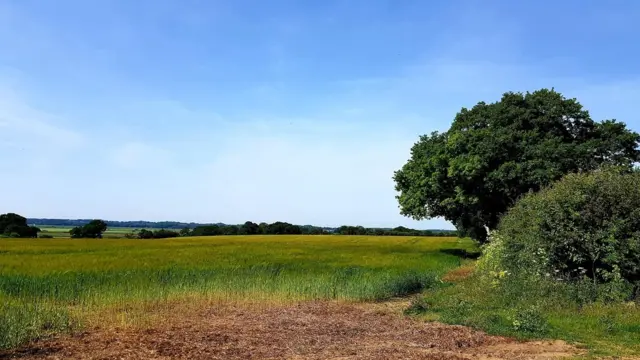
x=312 y=330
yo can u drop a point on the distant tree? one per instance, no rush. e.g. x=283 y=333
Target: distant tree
x=206 y=230
x=76 y=232
x=283 y=228
x=352 y=230
x=229 y=230
x=495 y=153
x=14 y=225
x=312 y=230
x=93 y=230
x=249 y=228
x=263 y=228
x=185 y=232
x=145 y=234
x=164 y=234
x=132 y=234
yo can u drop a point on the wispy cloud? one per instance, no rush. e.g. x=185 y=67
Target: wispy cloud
x=23 y=125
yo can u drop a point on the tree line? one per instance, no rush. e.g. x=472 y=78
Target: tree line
x=111 y=223
x=280 y=228
x=14 y=225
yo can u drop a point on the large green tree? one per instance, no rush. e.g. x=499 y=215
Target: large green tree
x=14 y=225
x=494 y=153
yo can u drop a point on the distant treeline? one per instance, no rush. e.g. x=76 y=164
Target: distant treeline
x=282 y=228
x=397 y=231
x=122 y=224
x=168 y=229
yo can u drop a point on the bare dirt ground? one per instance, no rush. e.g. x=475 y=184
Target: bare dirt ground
x=310 y=330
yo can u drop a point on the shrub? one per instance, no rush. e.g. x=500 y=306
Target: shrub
x=530 y=320
x=46 y=236
x=584 y=226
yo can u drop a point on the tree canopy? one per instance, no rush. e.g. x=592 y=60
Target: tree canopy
x=494 y=153
x=92 y=230
x=14 y=225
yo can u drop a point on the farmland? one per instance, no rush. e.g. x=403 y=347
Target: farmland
x=63 y=231
x=58 y=285
x=119 y=287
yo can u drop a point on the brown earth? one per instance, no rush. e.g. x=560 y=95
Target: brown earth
x=310 y=330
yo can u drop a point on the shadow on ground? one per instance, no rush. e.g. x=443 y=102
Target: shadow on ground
x=462 y=253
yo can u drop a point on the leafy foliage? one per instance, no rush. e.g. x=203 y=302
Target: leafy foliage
x=152 y=234
x=185 y=232
x=92 y=230
x=249 y=228
x=397 y=231
x=529 y=320
x=585 y=225
x=14 y=225
x=494 y=153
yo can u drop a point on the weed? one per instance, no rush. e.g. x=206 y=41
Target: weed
x=530 y=321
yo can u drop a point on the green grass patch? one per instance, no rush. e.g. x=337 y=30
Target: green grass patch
x=52 y=285
x=550 y=313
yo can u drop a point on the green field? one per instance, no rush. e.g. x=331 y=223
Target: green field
x=49 y=286
x=63 y=231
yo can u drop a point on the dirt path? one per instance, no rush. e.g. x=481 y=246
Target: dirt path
x=316 y=330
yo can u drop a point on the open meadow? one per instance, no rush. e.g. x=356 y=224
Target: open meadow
x=59 y=285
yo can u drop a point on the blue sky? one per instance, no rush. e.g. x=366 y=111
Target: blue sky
x=296 y=111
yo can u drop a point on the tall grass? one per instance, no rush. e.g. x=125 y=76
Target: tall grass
x=50 y=286
x=549 y=310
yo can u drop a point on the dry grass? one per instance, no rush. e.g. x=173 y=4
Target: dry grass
x=460 y=273
x=307 y=330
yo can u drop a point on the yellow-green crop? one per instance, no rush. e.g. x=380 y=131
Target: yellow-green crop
x=41 y=281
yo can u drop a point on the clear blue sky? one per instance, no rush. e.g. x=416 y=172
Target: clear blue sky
x=297 y=111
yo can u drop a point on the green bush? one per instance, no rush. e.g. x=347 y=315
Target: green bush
x=530 y=320
x=585 y=226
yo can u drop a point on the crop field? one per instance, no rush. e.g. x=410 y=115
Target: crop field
x=57 y=285
x=63 y=231
x=273 y=296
